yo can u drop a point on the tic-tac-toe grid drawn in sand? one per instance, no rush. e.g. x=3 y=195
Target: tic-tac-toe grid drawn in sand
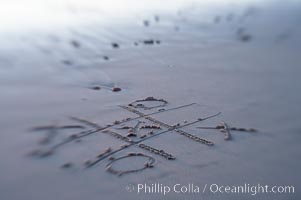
x=133 y=132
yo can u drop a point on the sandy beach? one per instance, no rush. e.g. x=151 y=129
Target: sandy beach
x=150 y=100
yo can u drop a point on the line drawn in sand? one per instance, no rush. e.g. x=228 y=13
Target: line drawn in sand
x=145 y=128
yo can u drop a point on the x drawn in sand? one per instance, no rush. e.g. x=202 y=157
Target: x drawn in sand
x=145 y=128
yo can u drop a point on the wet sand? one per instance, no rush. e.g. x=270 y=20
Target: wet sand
x=239 y=59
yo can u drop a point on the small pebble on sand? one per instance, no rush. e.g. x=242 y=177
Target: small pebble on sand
x=145 y=22
x=75 y=43
x=67 y=165
x=105 y=57
x=150 y=41
x=115 y=45
x=67 y=62
x=245 y=37
x=116 y=89
x=96 y=88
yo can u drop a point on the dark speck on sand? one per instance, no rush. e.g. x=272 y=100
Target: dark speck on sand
x=245 y=37
x=96 y=88
x=146 y=23
x=67 y=165
x=115 y=45
x=75 y=43
x=151 y=42
x=67 y=62
x=105 y=57
x=116 y=89
x=217 y=19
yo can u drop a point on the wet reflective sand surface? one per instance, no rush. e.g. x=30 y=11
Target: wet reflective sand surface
x=66 y=67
